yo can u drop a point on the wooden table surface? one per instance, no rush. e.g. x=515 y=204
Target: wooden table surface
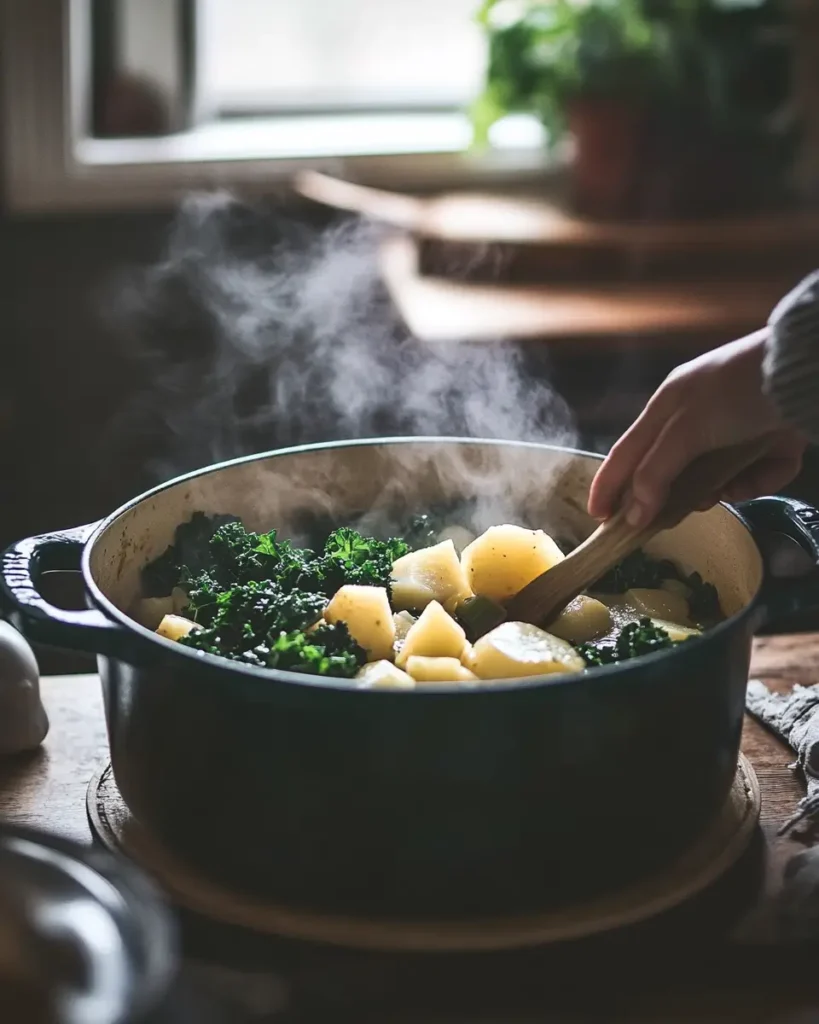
x=47 y=789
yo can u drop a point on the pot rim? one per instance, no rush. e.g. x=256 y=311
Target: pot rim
x=265 y=676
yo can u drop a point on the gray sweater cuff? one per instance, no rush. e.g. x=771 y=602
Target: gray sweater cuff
x=790 y=370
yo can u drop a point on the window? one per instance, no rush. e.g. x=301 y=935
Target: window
x=125 y=102
x=319 y=55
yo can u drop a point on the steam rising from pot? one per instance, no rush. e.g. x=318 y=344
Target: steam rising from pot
x=255 y=332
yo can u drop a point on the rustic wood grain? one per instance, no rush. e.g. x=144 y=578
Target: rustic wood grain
x=47 y=789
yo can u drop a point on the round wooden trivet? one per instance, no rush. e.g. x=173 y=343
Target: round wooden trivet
x=705 y=862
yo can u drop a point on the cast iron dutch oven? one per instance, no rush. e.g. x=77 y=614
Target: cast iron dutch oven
x=519 y=795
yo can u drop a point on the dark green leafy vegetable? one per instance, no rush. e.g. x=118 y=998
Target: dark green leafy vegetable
x=636 y=570
x=325 y=651
x=704 y=600
x=253 y=610
x=256 y=596
x=633 y=640
x=187 y=556
x=350 y=558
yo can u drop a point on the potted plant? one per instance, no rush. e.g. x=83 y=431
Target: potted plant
x=645 y=88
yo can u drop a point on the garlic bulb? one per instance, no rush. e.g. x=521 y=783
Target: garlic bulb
x=23 y=719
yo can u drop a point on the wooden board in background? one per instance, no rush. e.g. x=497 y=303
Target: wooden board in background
x=521 y=238
x=436 y=310
x=521 y=219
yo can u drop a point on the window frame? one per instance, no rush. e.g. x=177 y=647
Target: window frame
x=51 y=166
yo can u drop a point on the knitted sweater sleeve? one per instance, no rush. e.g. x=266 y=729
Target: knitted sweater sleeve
x=791 y=366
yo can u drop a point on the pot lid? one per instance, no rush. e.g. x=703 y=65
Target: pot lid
x=84 y=939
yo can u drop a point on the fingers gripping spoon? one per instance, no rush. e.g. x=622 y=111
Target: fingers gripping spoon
x=547 y=595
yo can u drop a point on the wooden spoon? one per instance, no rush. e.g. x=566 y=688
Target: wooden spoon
x=545 y=597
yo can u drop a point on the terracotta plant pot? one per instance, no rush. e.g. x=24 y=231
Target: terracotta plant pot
x=608 y=136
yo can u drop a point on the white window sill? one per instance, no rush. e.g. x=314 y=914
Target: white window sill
x=289 y=138
x=332 y=136
x=262 y=154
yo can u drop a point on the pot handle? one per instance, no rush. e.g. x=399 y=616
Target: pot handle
x=41 y=622
x=790 y=605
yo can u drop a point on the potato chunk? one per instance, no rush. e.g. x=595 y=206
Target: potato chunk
x=403 y=624
x=516 y=649
x=431 y=574
x=676 y=587
x=658 y=604
x=583 y=620
x=367 y=614
x=173 y=627
x=439 y=670
x=383 y=675
x=675 y=631
x=434 y=635
x=505 y=558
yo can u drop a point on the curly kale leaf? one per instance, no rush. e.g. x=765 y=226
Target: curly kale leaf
x=241 y=556
x=703 y=602
x=637 y=570
x=350 y=558
x=188 y=556
x=633 y=641
x=324 y=651
x=250 y=613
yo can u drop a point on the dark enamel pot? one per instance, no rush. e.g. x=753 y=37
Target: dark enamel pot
x=515 y=796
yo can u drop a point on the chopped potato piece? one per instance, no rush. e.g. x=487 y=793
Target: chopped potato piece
x=411 y=594
x=439 y=670
x=431 y=574
x=675 y=631
x=434 y=635
x=504 y=559
x=403 y=624
x=367 y=614
x=150 y=611
x=516 y=649
x=173 y=627
x=383 y=675
x=581 y=621
x=676 y=587
x=658 y=604
x=460 y=537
